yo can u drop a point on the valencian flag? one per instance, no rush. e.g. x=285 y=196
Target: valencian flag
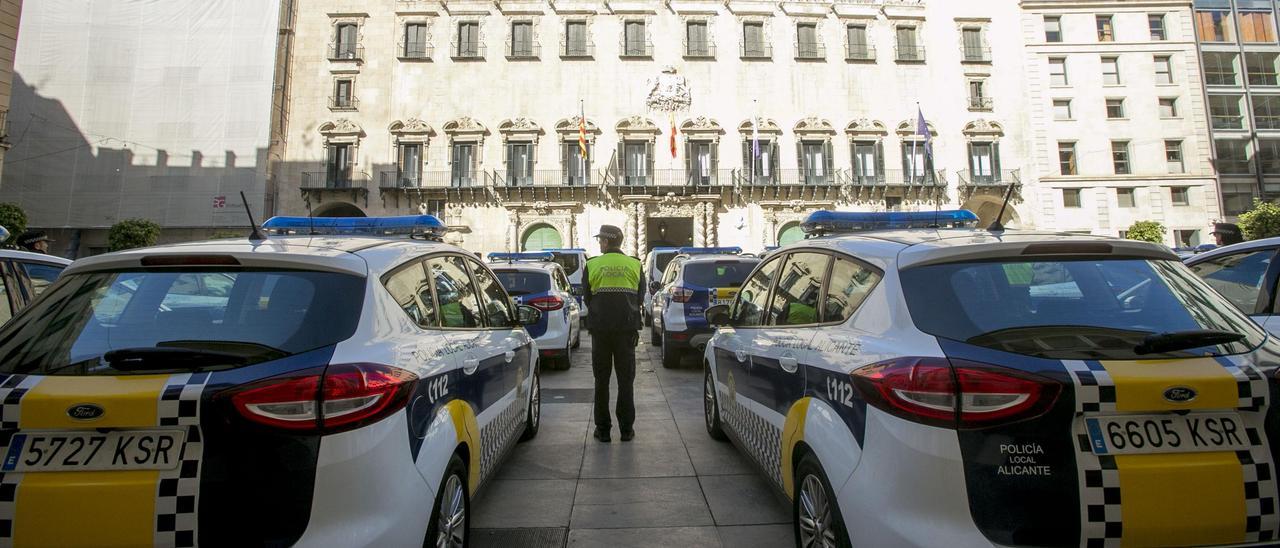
x=582 y=130
x=671 y=116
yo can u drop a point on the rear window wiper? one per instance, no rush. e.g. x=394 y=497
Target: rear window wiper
x=1182 y=340
x=149 y=358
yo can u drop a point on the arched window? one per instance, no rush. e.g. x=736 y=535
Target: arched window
x=541 y=237
x=790 y=233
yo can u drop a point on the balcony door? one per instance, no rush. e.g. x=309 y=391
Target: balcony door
x=464 y=164
x=519 y=164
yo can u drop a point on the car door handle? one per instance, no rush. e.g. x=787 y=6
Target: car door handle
x=789 y=364
x=742 y=356
x=470 y=364
x=509 y=355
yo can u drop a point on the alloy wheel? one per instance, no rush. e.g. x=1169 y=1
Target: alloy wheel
x=815 y=515
x=452 y=524
x=535 y=403
x=709 y=400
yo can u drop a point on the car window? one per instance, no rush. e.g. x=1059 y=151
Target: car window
x=497 y=305
x=795 y=301
x=570 y=262
x=849 y=285
x=266 y=315
x=6 y=310
x=522 y=282
x=673 y=271
x=749 y=309
x=459 y=304
x=1237 y=277
x=565 y=286
x=718 y=273
x=41 y=276
x=661 y=260
x=409 y=287
x=1071 y=309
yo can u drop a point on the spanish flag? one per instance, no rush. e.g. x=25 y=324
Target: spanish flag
x=671 y=116
x=582 y=131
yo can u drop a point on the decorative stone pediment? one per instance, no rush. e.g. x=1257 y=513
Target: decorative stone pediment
x=767 y=125
x=701 y=124
x=570 y=125
x=866 y=126
x=813 y=125
x=983 y=127
x=519 y=125
x=637 y=124
x=908 y=128
x=412 y=126
x=465 y=125
x=340 y=127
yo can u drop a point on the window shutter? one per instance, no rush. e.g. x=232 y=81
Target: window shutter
x=995 y=160
x=830 y=161
x=528 y=164
x=622 y=157
x=648 y=157
x=715 y=160
x=774 y=161
x=973 y=164
x=690 y=166
x=800 y=159
x=748 y=163
x=880 y=159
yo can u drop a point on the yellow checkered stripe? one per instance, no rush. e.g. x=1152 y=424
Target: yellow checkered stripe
x=66 y=508
x=1223 y=497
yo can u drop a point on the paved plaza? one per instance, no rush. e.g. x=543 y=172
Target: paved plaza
x=672 y=486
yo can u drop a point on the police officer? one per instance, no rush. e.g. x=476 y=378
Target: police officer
x=612 y=285
x=1227 y=234
x=34 y=241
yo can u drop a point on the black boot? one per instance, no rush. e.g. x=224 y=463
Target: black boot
x=602 y=434
x=628 y=434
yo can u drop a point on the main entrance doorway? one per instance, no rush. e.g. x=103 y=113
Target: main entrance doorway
x=669 y=232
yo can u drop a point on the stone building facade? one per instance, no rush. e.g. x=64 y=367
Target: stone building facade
x=473 y=110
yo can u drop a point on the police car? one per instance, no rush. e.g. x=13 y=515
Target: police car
x=574 y=263
x=960 y=387
x=323 y=390
x=655 y=263
x=1246 y=274
x=532 y=279
x=696 y=279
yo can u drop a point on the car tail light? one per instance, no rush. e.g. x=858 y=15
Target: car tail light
x=330 y=400
x=954 y=393
x=547 y=304
x=681 y=295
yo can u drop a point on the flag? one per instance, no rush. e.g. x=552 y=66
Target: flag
x=922 y=129
x=755 y=138
x=672 y=118
x=582 y=132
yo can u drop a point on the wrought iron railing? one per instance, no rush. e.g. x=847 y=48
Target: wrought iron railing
x=891 y=177
x=810 y=51
x=636 y=48
x=334 y=180
x=981 y=103
x=700 y=49
x=973 y=54
x=860 y=52
x=580 y=49
x=343 y=102
x=756 y=50
x=530 y=49
x=541 y=178
x=343 y=51
x=417 y=49
x=671 y=177
x=909 y=54
x=1001 y=177
x=467 y=50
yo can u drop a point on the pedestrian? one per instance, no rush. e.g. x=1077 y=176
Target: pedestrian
x=35 y=241
x=612 y=286
x=1227 y=234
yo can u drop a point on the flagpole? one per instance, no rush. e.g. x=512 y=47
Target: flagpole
x=755 y=139
x=582 y=157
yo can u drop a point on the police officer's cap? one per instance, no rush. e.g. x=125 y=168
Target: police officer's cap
x=611 y=232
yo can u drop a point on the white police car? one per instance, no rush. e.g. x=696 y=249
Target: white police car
x=533 y=280
x=1246 y=274
x=959 y=387
x=320 y=390
x=655 y=263
x=574 y=263
x=696 y=279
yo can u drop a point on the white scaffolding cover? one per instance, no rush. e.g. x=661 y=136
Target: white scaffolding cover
x=140 y=108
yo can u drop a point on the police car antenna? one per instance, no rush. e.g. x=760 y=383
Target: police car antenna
x=256 y=235
x=311 y=220
x=997 y=226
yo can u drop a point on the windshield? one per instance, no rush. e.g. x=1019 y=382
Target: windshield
x=1071 y=309
x=717 y=274
x=570 y=262
x=518 y=283
x=258 y=315
x=661 y=259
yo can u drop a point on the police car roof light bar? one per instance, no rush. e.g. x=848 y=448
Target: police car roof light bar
x=427 y=226
x=541 y=256
x=825 y=222
x=710 y=251
x=564 y=249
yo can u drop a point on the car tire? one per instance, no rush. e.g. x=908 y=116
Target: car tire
x=711 y=407
x=533 y=415
x=577 y=341
x=648 y=322
x=450 y=523
x=814 y=510
x=670 y=356
x=655 y=338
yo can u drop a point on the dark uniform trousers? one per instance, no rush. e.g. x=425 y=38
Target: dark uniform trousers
x=614 y=351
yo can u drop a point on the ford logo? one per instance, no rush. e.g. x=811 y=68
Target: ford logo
x=1179 y=394
x=85 y=412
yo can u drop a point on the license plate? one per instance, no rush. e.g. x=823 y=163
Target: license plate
x=1192 y=433
x=66 y=451
x=723 y=295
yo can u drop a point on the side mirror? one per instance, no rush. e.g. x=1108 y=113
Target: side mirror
x=528 y=315
x=655 y=287
x=718 y=315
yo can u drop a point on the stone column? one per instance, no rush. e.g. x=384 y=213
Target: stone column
x=713 y=225
x=513 y=235
x=642 y=228
x=699 y=225
x=629 y=231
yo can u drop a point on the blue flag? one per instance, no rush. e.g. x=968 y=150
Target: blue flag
x=922 y=129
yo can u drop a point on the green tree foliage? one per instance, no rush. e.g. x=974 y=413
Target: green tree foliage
x=13 y=219
x=1146 y=231
x=133 y=233
x=1263 y=221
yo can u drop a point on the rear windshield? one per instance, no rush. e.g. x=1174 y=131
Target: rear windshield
x=661 y=260
x=519 y=283
x=1071 y=309
x=717 y=274
x=570 y=262
x=253 y=315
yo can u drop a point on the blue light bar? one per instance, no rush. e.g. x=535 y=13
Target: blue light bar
x=542 y=256
x=566 y=250
x=837 y=222
x=710 y=251
x=357 y=226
